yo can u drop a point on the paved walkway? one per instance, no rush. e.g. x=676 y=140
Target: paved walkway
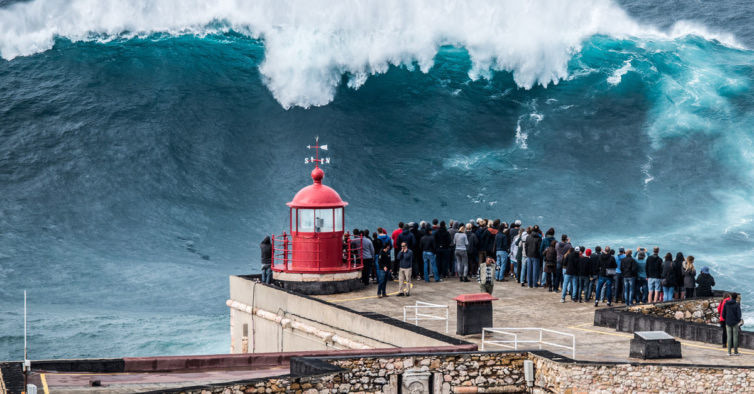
x=523 y=307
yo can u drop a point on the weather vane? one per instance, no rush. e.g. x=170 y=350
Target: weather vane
x=316 y=160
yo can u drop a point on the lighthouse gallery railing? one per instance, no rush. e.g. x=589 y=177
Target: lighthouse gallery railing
x=282 y=256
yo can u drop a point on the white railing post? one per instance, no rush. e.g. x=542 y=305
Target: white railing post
x=540 y=339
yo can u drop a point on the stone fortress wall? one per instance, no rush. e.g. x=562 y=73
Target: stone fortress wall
x=487 y=372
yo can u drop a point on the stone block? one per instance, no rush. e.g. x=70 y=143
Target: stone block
x=654 y=345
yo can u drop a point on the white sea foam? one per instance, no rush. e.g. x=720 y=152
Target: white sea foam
x=311 y=44
x=618 y=74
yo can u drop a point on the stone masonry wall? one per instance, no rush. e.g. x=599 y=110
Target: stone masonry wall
x=449 y=372
x=626 y=378
x=499 y=373
x=697 y=311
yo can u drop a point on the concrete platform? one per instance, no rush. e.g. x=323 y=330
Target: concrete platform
x=524 y=307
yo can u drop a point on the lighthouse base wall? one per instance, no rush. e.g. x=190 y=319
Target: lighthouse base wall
x=318 y=284
x=267 y=318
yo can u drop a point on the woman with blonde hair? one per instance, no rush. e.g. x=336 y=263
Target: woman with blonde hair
x=689 y=277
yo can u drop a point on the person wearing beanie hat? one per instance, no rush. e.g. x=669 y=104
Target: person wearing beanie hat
x=629 y=270
x=704 y=282
x=585 y=269
x=588 y=252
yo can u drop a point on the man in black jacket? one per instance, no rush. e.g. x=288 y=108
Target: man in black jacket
x=607 y=266
x=654 y=275
x=584 y=270
x=442 y=243
x=501 y=252
x=594 y=271
x=533 y=257
x=571 y=263
x=428 y=253
x=629 y=270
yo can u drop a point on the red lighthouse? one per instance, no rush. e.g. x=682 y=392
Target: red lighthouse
x=316 y=255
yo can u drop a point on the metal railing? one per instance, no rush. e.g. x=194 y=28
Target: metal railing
x=418 y=309
x=513 y=344
x=282 y=252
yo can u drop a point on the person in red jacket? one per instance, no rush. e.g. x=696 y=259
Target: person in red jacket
x=720 y=306
x=397 y=249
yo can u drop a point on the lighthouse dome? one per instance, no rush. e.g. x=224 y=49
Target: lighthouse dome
x=317 y=195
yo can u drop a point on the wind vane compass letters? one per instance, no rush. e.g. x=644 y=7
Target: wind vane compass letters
x=316 y=160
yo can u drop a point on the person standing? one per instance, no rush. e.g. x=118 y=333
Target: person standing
x=705 y=282
x=720 y=307
x=594 y=272
x=583 y=274
x=733 y=322
x=606 y=271
x=550 y=257
x=654 y=275
x=442 y=243
x=462 y=259
x=546 y=241
x=483 y=236
x=383 y=271
x=618 y=278
x=501 y=243
x=689 y=277
x=367 y=256
x=524 y=257
x=533 y=257
x=515 y=255
x=629 y=270
x=472 y=248
x=486 y=277
x=561 y=248
x=394 y=237
x=668 y=278
x=678 y=271
x=405 y=264
x=571 y=262
x=428 y=253
x=266 y=248
x=641 y=277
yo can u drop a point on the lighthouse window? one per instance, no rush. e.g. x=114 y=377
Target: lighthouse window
x=338 y=217
x=306 y=220
x=323 y=220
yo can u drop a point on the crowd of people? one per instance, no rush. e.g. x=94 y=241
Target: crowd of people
x=490 y=251
x=536 y=259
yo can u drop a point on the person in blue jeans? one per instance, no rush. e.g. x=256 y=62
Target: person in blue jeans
x=571 y=262
x=606 y=270
x=266 y=249
x=427 y=244
x=629 y=269
x=501 y=243
x=383 y=271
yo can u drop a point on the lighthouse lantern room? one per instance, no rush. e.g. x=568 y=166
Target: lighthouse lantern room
x=317 y=256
